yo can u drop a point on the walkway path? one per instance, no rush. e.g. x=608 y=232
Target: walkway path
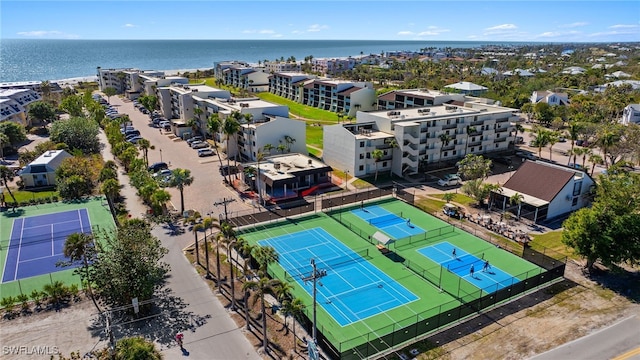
x=219 y=337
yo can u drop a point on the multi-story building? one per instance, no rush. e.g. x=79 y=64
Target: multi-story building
x=333 y=66
x=246 y=77
x=14 y=105
x=409 y=98
x=423 y=135
x=288 y=84
x=178 y=101
x=221 y=66
x=282 y=66
x=631 y=114
x=114 y=78
x=342 y=96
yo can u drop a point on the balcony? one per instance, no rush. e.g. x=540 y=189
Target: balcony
x=449 y=126
x=475 y=143
x=502 y=129
x=499 y=140
x=501 y=120
x=448 y=147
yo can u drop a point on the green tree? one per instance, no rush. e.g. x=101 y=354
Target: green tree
x=264 y=256
x=540 y=139
x=261 y=288
x=6 y=175
x=129 y=264
x=72 y=105
x=15 y=132
x=179 y=179
x=474 y=167
x=4 y=140
x=471 y=130
x=136 y=348
x=111 y=189
x=609 y=230
x=295 y=309
x=78 y=133
x=109 y=92
x=213 y=126
x=145 y=145
x=377 y=155
x=42 y=111
x=289 y=141
x=230 y=128
x=445 y=139
x=478 y=190
x=516 y=199
x=448 y=197
x=80 y=247
x=73 y=187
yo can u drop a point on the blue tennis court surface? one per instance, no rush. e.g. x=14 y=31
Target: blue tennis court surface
x=493 y=279
x=352 y=290
x=37 y=242
x=389 y=223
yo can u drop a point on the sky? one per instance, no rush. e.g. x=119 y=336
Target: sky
x=452 y=20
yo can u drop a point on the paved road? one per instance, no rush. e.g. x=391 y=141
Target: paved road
x=219 y=337
x=616 y=341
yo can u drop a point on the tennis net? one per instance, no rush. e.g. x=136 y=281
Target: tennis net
x=389 y=219
x=338 y=261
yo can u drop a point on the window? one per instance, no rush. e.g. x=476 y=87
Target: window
x=361 y=168
x=575 y=201
x=446 y=153
x=577 y=187
x=361 y=143
x=384 y=164
x=368 y=155
x=454 y=152
x=472 y=149
x=361 y=156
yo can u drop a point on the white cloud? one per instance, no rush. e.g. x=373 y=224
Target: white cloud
x=499 y=28
x=317 y=27
x=275 y=36
x=266 y=31
x=552 y=34
x=297 y=32
x=623 y=26
x=47 y=34
x=129 y=26
x=575 y=24
x=433 y=31
x=405 y=33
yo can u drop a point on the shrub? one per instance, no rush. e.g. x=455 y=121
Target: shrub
x=7 y=303
x=37 y=296
x=56 y=292
x=74 y=292
x=23 y=299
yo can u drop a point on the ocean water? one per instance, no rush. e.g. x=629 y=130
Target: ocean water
x=39 y=60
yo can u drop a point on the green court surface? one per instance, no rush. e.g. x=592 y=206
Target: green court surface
x=99 y=216
x=438 y=299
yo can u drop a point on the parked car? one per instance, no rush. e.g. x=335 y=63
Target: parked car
x=155 y=167
x=451 y=210
x=450 y=180
x=131 y=132
x=199 y=145
x=575 y=166
x=226 y=170
x=526 y=155
x=194 y=139
x=502 y=160
x=135 y=139
x=205 y=152
x=162 y=173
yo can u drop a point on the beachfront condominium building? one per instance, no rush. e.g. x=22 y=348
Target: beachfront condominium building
x=220 y=66
x=261 y=123
x=424 y=135
x=14 y=105
x=178 y=101
x=289 y=84
x=273 y=67
x=333 y=66
x=246 y=77
x=341 y=96
x=134 y=82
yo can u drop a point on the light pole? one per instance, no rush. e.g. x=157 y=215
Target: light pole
x=160 y=155
x=346 y=175
x=315 y=275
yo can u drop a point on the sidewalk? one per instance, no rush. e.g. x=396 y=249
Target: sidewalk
x=219 y=337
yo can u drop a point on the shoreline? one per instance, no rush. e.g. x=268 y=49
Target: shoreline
x=94 y=78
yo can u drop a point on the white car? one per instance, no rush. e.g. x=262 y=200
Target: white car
x=205 y=152
x=450 y=180
x=199 y=145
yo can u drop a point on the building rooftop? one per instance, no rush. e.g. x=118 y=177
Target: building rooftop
x=288 y=166
x=540 y=180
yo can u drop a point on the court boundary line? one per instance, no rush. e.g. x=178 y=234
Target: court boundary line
x=6 y=258
x=15 y=277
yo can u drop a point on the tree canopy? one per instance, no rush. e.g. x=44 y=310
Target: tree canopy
x=474 y=167
x=42 y=111
x=78 y=133
x=15 y=132
x=609 y=231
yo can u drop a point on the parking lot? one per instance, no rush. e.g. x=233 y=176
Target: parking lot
x=208 y=186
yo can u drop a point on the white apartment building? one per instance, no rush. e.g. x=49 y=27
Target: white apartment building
x=631 y=114
x=288 y=134
x=409 y=98
x=220 y=66
x=288 y=84
x=14 y=105
x=177 y=100
x=246 y=77
x=473 y=127
x=333 y=66
x=282 y=66
x=343 y=96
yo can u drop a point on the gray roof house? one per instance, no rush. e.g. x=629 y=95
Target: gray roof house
x=42 y=171
x=468 y=88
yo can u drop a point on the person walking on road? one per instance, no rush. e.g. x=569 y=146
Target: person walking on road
x=179 y=337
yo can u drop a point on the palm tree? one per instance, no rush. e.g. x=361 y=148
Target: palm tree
x=540 y=139
x=111 y=188
x=230 y=128
x=595 y=159
x=289 y=141
x=45 y=87
x=264 y=256
x=196 y=228
x=445 y=139
x=267 y=148
x=145 y=145
x=6 y=175
x=377 y=155
x=229 y=239
x=516 y=199
x=81 y=247
x=573 y=133
x=193 y=124
x=159 y=198
x=607 y=139
x=470 y=130
x=448 y=197
x=295 y=309
x=213 y=126
x=552 y=139
x=259 y=157
x=179 y=179
x=282 y=147
x=261 y=288
x=209 y=223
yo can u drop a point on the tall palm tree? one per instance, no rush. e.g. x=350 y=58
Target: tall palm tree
x=230 y=128
x=81 y=247
x=261 y=288
x=516 y=199
x=289 y=141
x=209 y=223
x=179 y=179
x=573 y=133
x=377 y=155
x=111 y=188
x=605 y=140
x=595 y=159
x=145 y=145
x=259 y=157
x=540 y=139
x=268 y=147
x=264 y=256
x=229 y=239
x=6 y=175
x=295 y=309
x=213 y=126
x=552 y=139
x=470 y=130
x=445 y=139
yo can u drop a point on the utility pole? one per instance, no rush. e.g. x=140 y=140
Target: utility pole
x=315 y=276
x=224 y=203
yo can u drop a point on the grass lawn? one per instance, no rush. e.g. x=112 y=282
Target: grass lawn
x=552 y=240
x=458 y=198
x=26 y=196
x=314 y=152
x=297 y=109
x=314 y=135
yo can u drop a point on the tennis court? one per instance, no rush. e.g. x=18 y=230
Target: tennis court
x=352 y=289
x=32 y=241
x=37 y=242
x=393 y=225
x=490 y=279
